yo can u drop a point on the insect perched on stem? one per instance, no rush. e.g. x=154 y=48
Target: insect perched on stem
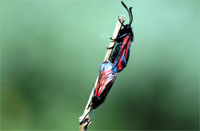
x=105 y=81
x=116 y=63
x=120 y=55
x=109 y=69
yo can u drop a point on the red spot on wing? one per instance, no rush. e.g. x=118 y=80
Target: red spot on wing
x=119 y=64
x=97 y=87
x=102 y=83
x=99 y=82
x=124 y=42
x=124 y=51
x=127 y=49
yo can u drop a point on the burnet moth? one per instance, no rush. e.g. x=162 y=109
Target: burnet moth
x=116 y=63
x=120 y=55
x=105 y=81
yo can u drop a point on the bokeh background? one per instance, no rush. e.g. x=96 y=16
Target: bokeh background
x=51 y=51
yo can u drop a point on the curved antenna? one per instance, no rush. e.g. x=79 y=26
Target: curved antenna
x=130 y=9
x=127 y=11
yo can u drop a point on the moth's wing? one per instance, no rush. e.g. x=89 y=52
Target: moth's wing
x=105 y=82
x=122 y=58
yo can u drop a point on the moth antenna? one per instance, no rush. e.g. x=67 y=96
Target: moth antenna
x=127 y=11
x=130 y=9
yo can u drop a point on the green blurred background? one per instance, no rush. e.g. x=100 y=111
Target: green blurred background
x=51 y=51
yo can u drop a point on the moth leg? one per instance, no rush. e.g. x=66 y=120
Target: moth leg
x=112 y=40
x=110 y=47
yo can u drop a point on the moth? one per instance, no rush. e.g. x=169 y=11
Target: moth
x=120 y=55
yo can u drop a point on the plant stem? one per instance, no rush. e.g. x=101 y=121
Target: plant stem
x=83 y=126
